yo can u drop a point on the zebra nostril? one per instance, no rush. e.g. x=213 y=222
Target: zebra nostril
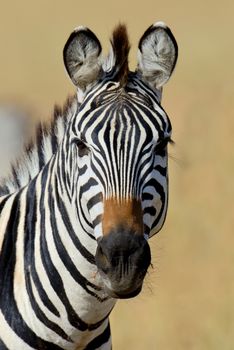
x=102 y=261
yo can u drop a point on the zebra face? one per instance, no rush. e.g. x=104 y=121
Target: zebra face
x=121 y=134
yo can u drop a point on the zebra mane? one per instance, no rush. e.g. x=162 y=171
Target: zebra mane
x=39 y=150
x=117 y=62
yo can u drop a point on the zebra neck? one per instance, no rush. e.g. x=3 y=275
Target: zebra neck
x=55 y=286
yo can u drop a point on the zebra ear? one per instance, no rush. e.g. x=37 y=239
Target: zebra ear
x=81 y=57
x=157 y=55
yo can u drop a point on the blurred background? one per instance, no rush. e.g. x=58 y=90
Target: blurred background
x=188 y=299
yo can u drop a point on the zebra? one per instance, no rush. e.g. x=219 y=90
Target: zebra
x=89 y=191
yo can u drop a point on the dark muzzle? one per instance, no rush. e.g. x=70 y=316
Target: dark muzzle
x=122 y=259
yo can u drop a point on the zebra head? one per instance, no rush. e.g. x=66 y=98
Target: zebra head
x=119 y=136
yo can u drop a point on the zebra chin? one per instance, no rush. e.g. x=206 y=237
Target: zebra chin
x=122 y=259
x=127 y=294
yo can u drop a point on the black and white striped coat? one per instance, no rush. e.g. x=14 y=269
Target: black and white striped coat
x=78 y=208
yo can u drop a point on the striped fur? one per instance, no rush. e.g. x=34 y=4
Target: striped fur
x=108 y=146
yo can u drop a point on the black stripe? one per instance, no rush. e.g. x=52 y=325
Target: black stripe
x=7 y=257
x=39 y=143
x=30 y=222
x=3 y=346
x=53 y=275
x=102 y=111
x=62 y=162
x=86 y=187
x=147 y=196
x=101 y=164
x=7 y=300
x=41 y=291
x=161 y=170
x=54 y=141
x=141 y=105
x=81 y=280
x=100 y=340
x=160 y=190
x=84 y=117
x=3 y=202
x=140 y=110
x=144 y=86
x=40 y=314
x=150 y=210
x=97 y=220
x=94 y=200
x=82 y=170
x=80 y=213
x=117 y=152
x=136 y=141
x=66 y=220
x=138 y=173
x=89 y=97
x=106 y=137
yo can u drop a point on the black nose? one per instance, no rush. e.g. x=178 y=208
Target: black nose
x=123 y=258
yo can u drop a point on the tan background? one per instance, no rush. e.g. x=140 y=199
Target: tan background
x=188 y=300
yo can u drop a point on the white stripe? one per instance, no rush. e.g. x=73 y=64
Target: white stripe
x=5 y=215
x=10 y=338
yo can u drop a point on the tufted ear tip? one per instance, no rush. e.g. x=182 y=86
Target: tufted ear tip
x=79 y=28
x=160 y=24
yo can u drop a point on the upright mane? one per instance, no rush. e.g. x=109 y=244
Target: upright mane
x=39 y=150
x=116 y=64
x=121 y=46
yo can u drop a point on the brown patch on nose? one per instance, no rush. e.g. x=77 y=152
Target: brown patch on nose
x=122 y=213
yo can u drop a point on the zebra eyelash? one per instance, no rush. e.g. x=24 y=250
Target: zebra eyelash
x=82 y=147
x=162 y=144
x=172 y=142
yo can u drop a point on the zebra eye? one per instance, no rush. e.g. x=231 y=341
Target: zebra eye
x=162 y=144
x=83 y=149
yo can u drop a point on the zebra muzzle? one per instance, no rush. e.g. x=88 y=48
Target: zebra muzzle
x=123 y=258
